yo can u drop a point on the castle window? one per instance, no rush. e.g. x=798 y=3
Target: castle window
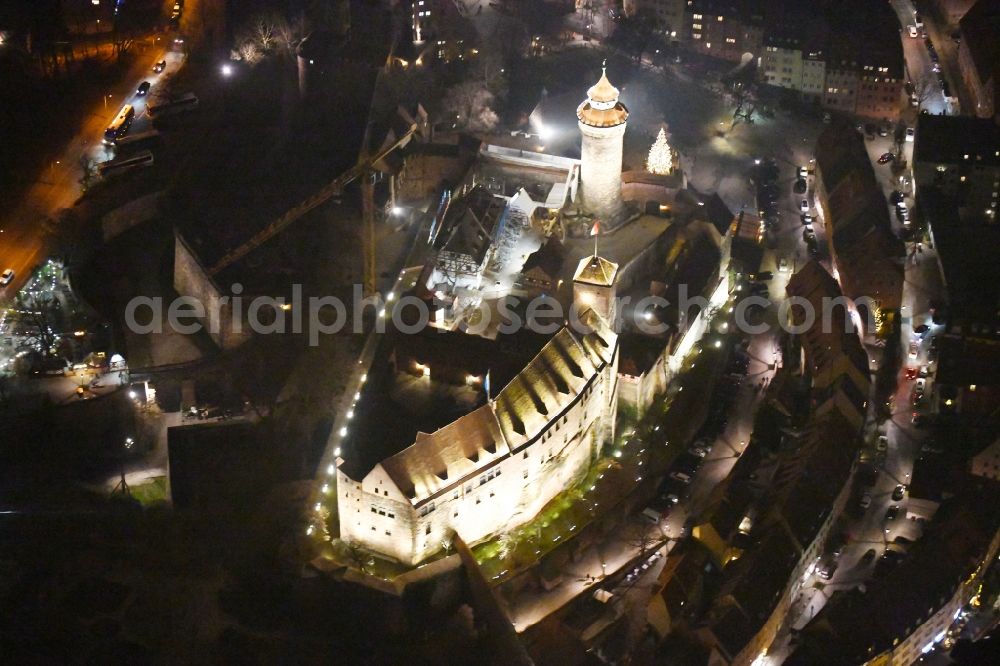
x=388 y=533
x=427 y=530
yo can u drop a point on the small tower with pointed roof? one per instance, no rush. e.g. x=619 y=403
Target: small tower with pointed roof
x=602 y=121
x=594 y=286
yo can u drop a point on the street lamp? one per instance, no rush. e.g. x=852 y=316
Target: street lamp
x=227 y=70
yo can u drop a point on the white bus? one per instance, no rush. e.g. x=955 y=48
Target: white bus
x=119 y=126
x=117 y=166
x=142 y=140
x=174 y=105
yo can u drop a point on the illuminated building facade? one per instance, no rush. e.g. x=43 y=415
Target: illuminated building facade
x=497 y=466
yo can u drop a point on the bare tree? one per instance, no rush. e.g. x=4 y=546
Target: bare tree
x=358 y=557
x=263 y=31
x=469 y=106
x=248 y=52
x=40 y=316
x=924 y=88
x=288 y=35
x=488 y=69
x=88 y=172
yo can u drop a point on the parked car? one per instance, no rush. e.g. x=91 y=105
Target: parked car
x=898 y=492
x=783 y=265
x=909 y=134
x=763 y=276
x=142 y=89
x=6 y=277
x=868 y=556
x=921 y=383
x=828 y=569
x=804 y=206
x=802 y=172
x=681 y=476
x=806 y=218
x=885 y=158
x=882 y=444
x=912 y=30
x=911 y=373
x=892 y=513
x=914 y=349
x=866 y=500
x=800 y=186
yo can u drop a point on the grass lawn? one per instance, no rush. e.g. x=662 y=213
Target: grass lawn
x=154 y=490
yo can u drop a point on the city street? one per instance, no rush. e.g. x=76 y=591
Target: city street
x=919 y=66
x=21 y=229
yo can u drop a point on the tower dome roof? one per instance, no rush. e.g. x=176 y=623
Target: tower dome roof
x=603 y=91
x=602 y=108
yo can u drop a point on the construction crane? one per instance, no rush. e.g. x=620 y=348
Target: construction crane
x=364 y=169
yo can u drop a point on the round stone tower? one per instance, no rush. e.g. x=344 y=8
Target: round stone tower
x=602 y=123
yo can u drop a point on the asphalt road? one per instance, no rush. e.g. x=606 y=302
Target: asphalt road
x=919 y=67
x=22 y=232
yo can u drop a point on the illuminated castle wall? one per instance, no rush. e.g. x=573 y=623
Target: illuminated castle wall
x=496 y=467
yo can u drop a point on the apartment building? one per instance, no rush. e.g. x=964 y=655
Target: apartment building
x=724 y=29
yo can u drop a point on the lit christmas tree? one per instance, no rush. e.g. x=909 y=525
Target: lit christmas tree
x=661 y=160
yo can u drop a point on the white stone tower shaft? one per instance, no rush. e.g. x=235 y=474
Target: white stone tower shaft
x=601 y=167
x=602 y=120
